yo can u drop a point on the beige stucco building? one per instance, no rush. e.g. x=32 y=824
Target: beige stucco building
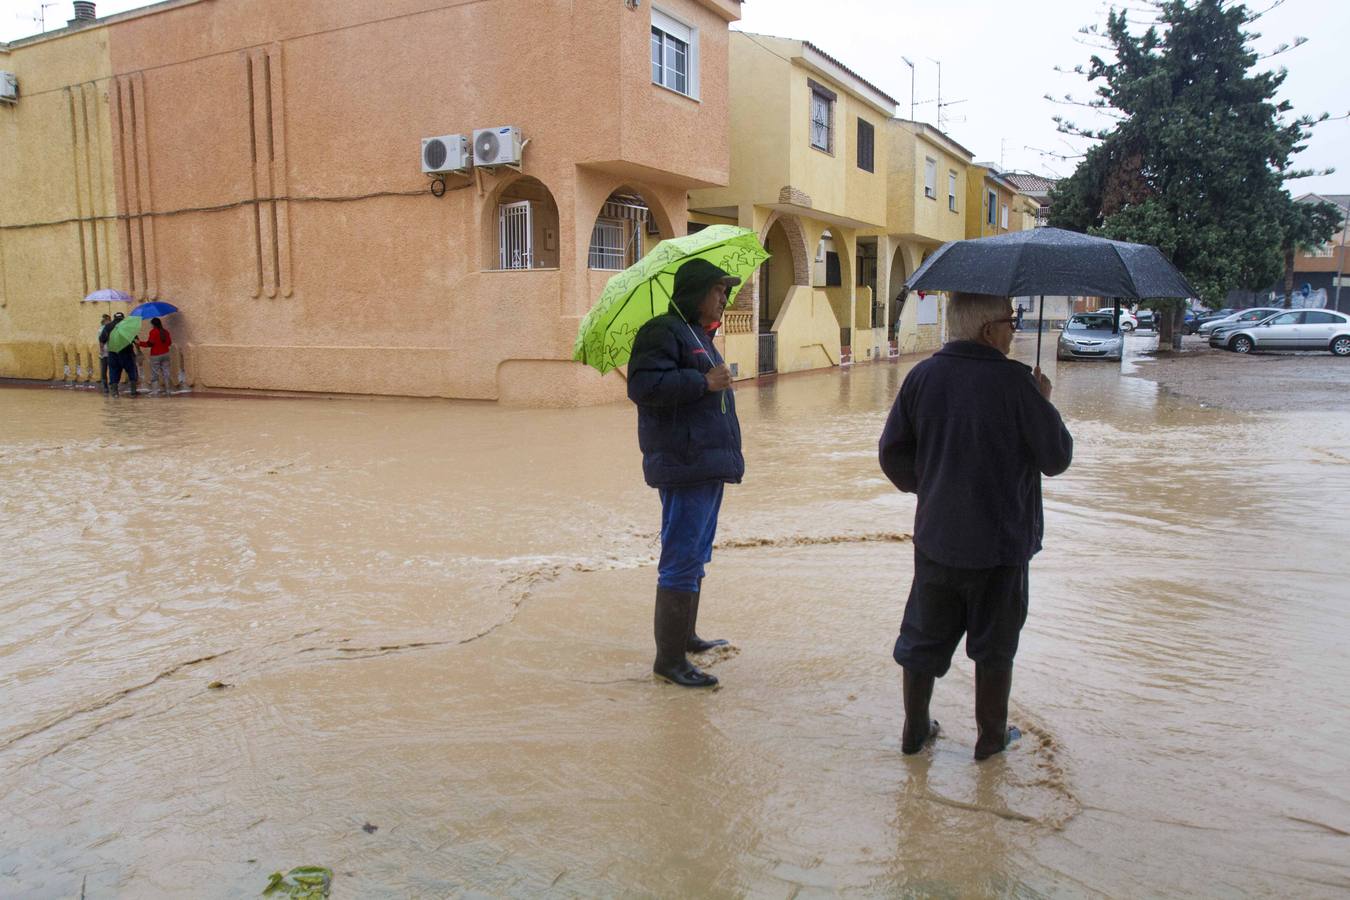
x=259 y=165
x=809 y=163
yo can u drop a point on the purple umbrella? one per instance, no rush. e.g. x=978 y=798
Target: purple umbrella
x=108 y=295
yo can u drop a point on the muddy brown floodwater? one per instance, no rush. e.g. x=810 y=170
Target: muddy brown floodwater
x=434 y=619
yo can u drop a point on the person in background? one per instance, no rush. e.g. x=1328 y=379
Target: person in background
x=971 y=433
x=120 y=361
x=159 y=342
x=105 y=326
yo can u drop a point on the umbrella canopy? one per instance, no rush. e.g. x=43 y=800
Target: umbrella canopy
x=1050 y=261
x=157 y=308
x=643 y=291
x=124 y=333
x=108 y=295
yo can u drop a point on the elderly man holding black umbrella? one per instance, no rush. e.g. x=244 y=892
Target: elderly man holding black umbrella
x=971 y=433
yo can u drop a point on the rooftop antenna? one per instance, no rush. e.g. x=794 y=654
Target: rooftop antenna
x=909 y=62
x=942 y=104
x=40 y=17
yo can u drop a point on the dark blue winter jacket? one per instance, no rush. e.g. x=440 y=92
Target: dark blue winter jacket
x=971 y=434
x=685 y=436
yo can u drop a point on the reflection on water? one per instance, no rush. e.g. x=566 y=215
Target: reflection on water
x=433 y=618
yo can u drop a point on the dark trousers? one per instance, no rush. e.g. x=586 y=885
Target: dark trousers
x=988 y=606
x=103 y=372
x=688 y=526
x=117 y=364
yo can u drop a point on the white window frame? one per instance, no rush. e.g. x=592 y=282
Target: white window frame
x=1003 y=215
x=511 y=233
x=951 y=190
x=930 y=178
x=686 y=34
x=991 y=200
x=610 y=256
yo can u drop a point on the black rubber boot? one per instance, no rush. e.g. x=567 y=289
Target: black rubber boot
x=696 y=644
x=992 y=689
x=671 y=625
x=919 y=729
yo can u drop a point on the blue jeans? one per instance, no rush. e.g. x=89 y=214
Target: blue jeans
x=688 y=526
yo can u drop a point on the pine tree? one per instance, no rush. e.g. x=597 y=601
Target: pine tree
x=1197 y=160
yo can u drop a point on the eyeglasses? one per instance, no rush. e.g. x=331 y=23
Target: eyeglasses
x=1010 y=321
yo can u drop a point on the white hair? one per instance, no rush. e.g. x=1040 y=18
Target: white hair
x=967 y=314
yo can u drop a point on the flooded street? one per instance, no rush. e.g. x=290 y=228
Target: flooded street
x=430 y=627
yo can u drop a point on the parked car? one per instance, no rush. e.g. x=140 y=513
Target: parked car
x=1128 y=322
x=1205 y=316
x=1090 y=335
x=1147 y=318
x=1245 y=317
x=1295 y=329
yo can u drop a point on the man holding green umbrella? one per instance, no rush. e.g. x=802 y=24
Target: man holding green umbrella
x=691 y=448
x=121 y=341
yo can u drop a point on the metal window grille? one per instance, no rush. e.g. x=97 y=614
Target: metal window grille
x=515 y=236
x=607 y=245
x=768 y=353
x=822 y=121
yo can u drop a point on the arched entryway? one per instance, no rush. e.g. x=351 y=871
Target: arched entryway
x=895 y=296
x=627 y=225
x=521 y=227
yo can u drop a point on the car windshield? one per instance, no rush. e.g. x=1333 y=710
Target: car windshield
x=1089 y=323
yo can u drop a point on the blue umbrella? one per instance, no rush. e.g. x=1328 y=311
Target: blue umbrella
x=157 y=308
x=109 y=295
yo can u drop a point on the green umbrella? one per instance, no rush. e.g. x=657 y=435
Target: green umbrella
x=124 y=333
x=642 y=291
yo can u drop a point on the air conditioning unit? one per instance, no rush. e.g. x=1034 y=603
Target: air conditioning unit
x=447 y=153
x=9 y=88
x=496 y=146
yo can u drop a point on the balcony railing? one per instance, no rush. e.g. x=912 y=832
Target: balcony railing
x=736 y=321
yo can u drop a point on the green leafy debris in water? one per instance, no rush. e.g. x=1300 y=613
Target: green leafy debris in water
x=304 y=882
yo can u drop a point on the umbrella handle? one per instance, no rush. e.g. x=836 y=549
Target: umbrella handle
x=1040 y=327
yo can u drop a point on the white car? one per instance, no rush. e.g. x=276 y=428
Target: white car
x=1295 y=329
x=1128 y=320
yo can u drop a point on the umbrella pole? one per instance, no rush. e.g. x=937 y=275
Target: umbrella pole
x=1040 y=327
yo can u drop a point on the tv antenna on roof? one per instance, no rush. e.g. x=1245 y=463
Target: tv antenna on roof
x=942 y=104
x=40 y=17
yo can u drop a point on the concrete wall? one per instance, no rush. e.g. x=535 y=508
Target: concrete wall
x=808 y=331
x=316 y=260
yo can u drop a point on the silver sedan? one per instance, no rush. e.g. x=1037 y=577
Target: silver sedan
x=1297 y=329
x=1090 y=336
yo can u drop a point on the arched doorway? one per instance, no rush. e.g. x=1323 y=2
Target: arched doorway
x=626 y=226
x=786 y=267
x=521 y=227
x=895 y=296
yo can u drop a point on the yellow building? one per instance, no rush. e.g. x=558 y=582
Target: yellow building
x=990 y=199
x=809 y=166
x=927 y=191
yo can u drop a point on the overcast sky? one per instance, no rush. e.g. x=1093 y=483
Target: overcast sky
x=998 y=61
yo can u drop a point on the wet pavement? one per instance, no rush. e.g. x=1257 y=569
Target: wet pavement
x=434 y=619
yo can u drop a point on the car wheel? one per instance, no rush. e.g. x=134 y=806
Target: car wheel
x=1126 y=326
x=1341 y=345
x=1241 y=344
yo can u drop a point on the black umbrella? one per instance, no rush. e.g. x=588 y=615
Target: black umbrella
x=1052 y=261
